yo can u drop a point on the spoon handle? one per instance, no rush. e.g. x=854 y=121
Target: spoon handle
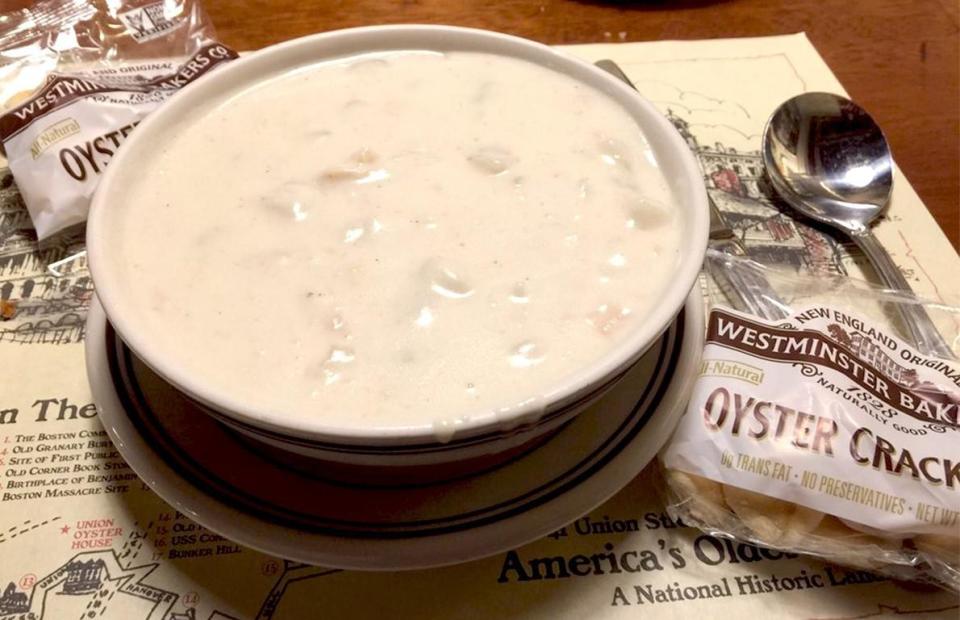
x=915 y=318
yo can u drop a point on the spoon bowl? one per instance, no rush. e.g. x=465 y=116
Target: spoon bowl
x=829 y=159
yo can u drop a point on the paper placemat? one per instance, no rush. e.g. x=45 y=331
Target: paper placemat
x=95 y=543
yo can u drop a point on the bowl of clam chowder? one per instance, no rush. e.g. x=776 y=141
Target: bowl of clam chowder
x=398 y=245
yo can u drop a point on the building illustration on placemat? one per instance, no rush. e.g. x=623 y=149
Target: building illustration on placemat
x=97 y=582
x=734 y=181
x=44 y=287
x=13 y=601
x=92 y=581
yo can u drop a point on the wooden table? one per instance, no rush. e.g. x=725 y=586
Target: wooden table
x=898 y=58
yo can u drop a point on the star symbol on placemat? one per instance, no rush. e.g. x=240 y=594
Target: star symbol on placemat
x=64 y=529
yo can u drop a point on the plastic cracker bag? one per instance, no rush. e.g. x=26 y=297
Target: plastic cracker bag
x=76 y=76
x=815 y=428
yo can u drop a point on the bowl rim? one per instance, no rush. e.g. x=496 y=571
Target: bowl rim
x=268 y=62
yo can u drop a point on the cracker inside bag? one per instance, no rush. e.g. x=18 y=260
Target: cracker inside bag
x=76 y=77
x=822 y=431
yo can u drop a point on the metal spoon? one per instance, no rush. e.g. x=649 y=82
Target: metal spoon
x=830 y=161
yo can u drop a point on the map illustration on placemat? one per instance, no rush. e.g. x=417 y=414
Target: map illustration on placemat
x=82 y=538
x=43 y=292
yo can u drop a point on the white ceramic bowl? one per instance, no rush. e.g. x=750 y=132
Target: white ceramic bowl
x=415 y=446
